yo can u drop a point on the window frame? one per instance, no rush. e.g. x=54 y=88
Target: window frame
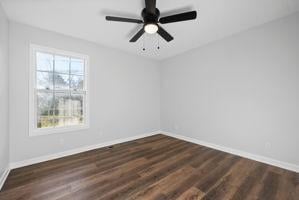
x=33 y=130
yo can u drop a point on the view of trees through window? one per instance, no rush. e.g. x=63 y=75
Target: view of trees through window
x=60 y=93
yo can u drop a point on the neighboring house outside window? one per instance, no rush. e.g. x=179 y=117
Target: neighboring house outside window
x=58 y=91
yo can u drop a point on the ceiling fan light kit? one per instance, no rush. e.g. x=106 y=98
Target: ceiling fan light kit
x=151 y=28
x=151 y=21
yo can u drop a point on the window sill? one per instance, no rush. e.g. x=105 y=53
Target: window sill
x=49 y=131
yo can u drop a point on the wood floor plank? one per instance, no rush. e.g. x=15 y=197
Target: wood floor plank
x=217 y=173
x=251 y=181
x=161 y=186
x=270 y=186
x=192 y=193
x=155 y=167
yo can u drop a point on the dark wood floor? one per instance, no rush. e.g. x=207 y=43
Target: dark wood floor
x=157 y=167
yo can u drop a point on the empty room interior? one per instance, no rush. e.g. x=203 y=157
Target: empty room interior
x=149 y=99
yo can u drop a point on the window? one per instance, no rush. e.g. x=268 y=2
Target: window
x=58 y=91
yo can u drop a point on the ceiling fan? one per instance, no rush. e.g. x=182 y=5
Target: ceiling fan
x=151 y=21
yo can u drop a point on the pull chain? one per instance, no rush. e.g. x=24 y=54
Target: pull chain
x=158 y=42
x=143 y=43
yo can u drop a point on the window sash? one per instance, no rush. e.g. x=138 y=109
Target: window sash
x=53 y=109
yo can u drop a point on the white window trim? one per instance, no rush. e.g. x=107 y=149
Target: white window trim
x=33 y=131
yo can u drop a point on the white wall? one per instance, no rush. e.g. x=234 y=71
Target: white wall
x=124 y=94
x=4 y=138
x=241 y=92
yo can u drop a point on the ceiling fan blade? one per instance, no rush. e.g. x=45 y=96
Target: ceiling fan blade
x=150 y=6
x=178 y=17
x=137 y=35
x=122 y=19
x=164 y=34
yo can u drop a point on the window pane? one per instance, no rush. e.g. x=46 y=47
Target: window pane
x=45 y=122
x=77 y=66
x=77 y=82
x=45 y=103
x=77 y=104
x=44 y=80
x=62 y=81
x=45 y=109
x=44 y=61
x=62 y=64
x=73 y=121
x=76 y=110
x=62 y=107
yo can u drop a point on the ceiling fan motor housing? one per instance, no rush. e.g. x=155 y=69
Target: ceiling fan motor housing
x=150 y=18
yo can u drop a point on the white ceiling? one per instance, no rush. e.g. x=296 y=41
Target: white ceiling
x=86 y=19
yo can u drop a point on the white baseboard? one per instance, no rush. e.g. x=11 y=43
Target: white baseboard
x=258 y=158
x=32 y=161
x=3 y=177
x=270 y=161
